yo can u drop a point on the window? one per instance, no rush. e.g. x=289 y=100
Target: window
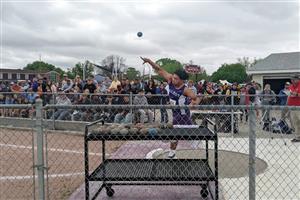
x=31 y=76
x=14 y=76
x=22 y=76
x=5 y=76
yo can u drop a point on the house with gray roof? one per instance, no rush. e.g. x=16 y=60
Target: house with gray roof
x=276 y=69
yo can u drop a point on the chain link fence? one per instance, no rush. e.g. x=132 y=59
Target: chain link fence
x=17 y=158
x=256 y=158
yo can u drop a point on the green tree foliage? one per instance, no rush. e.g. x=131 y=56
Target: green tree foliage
x=169 y=65
x=231 y=72
x=78 y=70
x=198 y=77
x=40 y=66
x=132 y=73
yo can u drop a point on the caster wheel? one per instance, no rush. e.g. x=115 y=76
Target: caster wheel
x=204 y=193
x=110 y=192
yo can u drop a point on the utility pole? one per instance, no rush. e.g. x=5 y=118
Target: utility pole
x=83 y=70
x=150 y=71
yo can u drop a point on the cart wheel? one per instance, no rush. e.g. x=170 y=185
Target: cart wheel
x=110 y=192
x=204 y=193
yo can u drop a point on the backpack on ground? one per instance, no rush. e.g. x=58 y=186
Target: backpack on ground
x=281 y=127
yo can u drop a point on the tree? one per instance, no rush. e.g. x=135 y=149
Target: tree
x=169 y=65
x=132 y=73
x=247 y=63
x=198 y=77
x=231 y=72
x=115 y=64
x=40 y=66
x=78 y=70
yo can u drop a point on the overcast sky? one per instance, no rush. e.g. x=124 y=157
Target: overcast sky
x=210 y=34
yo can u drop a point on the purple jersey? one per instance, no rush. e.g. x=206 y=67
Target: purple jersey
x=180 y=116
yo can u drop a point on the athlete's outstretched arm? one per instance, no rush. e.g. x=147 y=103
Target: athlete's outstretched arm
x=158 y=69
x=189 y=93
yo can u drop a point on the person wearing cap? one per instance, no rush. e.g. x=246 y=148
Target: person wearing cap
x=294 y=100
x=90 y=86
x=67 y=86
x=64 y=81
x=283 y=96
x=179 y=94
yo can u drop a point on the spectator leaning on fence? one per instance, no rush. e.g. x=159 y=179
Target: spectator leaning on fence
x=294 y=100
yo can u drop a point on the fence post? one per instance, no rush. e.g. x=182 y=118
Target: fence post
x=252 y=152
x=53 y=110
x=232 y=117
x=40 y=148
x=130 y=102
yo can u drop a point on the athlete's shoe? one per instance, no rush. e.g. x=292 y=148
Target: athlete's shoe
x=172 y=154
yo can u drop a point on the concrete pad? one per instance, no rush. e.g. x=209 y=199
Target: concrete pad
x=231 y=164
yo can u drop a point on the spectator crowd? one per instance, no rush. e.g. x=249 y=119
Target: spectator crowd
x=90 y=91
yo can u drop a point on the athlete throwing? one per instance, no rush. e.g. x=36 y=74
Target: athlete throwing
x=180 y=95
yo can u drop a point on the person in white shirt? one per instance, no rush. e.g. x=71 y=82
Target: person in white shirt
x=62 y=114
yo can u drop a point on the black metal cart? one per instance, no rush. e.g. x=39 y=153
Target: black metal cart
x=153 y=171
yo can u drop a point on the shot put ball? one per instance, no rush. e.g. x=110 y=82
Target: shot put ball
x=170 y=126
x=100 y=130
x=156 y=125
x=144 y=131
x=139 y=34
x=124 y=131
x=128 y=126
x=121 y=126
x=114 y=131
x=134 y=130
x=158 y=130
x=152 y=131
x=139 y=126
x=112 y=126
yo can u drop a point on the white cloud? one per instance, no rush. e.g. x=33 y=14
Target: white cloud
x=207 y=33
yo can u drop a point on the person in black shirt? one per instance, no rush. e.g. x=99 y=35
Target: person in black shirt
x=90 y=85
x=164 y=100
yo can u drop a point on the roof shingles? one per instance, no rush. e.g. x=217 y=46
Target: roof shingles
x=278 y=61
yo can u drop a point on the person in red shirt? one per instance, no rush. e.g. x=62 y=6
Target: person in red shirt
x=294 y=100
